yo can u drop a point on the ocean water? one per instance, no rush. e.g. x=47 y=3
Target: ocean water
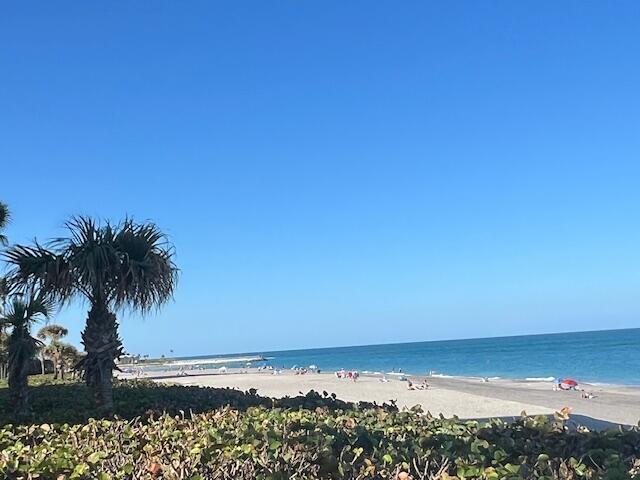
x=609 y=356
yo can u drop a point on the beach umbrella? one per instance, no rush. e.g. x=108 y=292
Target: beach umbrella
x=570 y=382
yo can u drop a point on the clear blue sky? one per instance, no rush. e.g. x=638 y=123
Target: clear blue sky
x=338 y=173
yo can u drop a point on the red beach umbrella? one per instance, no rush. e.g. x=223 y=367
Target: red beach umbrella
x=569 y=382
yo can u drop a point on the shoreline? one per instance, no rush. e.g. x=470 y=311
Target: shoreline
x=464 y=397
x=172 y=369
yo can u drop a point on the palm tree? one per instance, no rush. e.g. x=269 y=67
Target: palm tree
x=20 y=315
x=69 y=356
x=53 y=333
x=110 y=266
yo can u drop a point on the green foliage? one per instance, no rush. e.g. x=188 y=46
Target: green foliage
x=69 y=401
x=245 y=436
x=4 y=293
x=63 y=355
x=5 y=216
x=53 y=332
x=36 y=381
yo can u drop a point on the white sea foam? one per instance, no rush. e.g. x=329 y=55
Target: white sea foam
x=540 y=379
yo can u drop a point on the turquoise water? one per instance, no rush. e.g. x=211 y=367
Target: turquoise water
x=610 y=356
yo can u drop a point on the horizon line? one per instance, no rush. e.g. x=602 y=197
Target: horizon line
x=257 y=352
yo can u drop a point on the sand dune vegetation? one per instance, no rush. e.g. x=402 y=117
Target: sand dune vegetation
x=177 y=432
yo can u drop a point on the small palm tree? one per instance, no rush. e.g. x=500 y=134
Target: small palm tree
x=20 y=316
x=53 y=333
x=111 y=266
x=69 y=356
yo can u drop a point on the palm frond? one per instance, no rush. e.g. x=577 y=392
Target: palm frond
x=91 y=255
x=148 y=275
x=115 y=264
x=53 y=331
x=40 y=305
x=38 y=267
x=5 y=215
x=22 y=312
x=15 y=314
x=4 y=289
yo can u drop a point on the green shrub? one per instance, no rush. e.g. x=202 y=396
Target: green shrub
x=67 y=401
x=313 y=436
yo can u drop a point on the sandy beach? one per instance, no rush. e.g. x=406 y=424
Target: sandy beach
x=463 y=397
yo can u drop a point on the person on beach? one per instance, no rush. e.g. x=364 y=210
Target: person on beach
x=422 y=386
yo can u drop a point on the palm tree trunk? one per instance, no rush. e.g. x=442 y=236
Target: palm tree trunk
x=56 y=370
x=42 y=363
x=19 y=390
x=20 y=355
x=58 y=366
x=103 y=346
